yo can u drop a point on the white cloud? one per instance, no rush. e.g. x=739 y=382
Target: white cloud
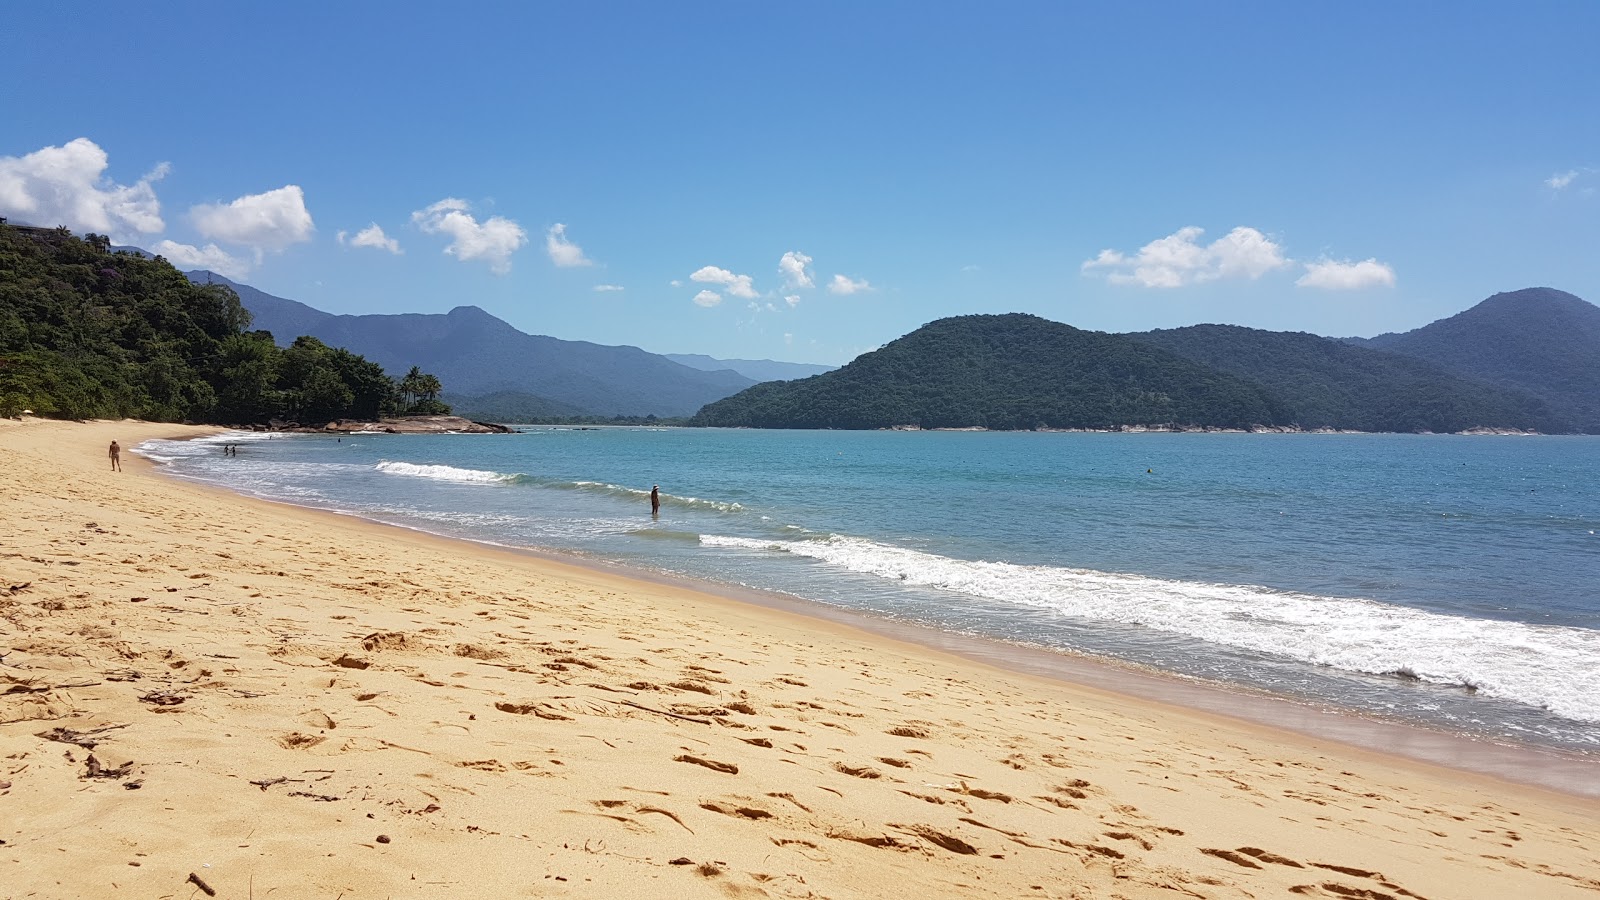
x=1561 y=180
x=1336 y=275
x=675 y=283
x=66 y=185
x=493 y=240
x=707 y=299
x=844 y=285
x=793 y=300
x=187 y=256
x=371 y=236
x=795 y=267
x=563 y=252
x=268 y=221
x=1180 y=259
x=607 y=288
x=736 y=285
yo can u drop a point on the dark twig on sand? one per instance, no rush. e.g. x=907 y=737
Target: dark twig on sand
x=200 y=883
x=85 y=739
x=163 y=698
x=659 y=712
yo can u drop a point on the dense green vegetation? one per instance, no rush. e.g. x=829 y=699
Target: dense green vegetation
x=88 y=333
x=1018 y=371
x=1005 y=372
x=1324 y=383
x=1538 y=341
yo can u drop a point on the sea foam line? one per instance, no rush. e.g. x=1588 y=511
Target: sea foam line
x=1548 y=666
x=444 y=473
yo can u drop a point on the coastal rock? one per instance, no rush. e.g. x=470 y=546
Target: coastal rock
x=417 y=425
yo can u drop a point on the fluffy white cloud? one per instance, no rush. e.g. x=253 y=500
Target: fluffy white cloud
x=563 y=252
x=492 y=240
x=268 y=221
x=67 y=186
x=1180 y=259
x=607 y=288
x=795 y=267
x=844 y=285
x=371 y=236
x=1336 y=275
x=1561 y=180
x=188 y=256
x=736 y=285
x=707 y=298
x=792 y=299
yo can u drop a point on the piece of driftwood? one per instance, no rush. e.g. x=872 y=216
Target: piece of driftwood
x=85 y=739
x=200 y=883
x=659 y=712
x=163 y=698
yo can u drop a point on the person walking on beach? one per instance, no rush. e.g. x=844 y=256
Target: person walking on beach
x=116 y=457
x=655 y=501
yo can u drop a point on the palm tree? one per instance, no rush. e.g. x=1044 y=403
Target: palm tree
x=410 y=387
x=430 y=387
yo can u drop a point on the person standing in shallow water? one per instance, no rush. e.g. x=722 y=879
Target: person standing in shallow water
x=116 y=457
x=655 y=501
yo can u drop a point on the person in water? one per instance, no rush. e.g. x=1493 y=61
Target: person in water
x=115 y=452
x=655 y=500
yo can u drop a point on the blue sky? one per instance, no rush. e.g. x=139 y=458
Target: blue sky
x=635 y=173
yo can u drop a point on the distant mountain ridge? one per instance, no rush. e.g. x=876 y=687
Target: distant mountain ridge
x=1324 y=383
x=1011 y=371
x=1540 y=341
x=476 y=354
x=757 y=369
x=1019 y=371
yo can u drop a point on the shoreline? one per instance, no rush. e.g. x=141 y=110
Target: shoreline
x=287 y=701
x=1565 y=772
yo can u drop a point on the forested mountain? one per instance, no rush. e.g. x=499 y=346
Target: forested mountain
x=1004 y=372
x=88 y=332
x=1540 y=341
x=754 y=369
x=477 y=354
x=1324 y=383
x=511 y=406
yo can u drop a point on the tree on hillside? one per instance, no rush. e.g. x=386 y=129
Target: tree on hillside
x=85 y=333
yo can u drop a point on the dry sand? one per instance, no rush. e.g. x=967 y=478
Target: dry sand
x=293 y=704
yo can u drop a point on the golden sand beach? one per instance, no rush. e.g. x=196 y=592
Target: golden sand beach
x=202 y=693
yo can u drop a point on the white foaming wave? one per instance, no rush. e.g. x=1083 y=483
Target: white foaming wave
x=623 y=490
x=1548 y=666
x=443 y=473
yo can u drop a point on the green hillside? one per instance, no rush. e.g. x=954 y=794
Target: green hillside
x=1539 y=341
x=1324 y=383
x=90 y=333
x=1010 y=371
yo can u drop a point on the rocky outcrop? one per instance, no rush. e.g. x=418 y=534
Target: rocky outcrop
x=416 y=425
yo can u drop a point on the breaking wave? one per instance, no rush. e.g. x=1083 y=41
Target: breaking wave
x=1552 y=667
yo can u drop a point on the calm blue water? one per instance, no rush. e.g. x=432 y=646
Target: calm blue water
x=1448 y=580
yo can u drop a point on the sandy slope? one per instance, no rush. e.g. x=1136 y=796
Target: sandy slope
x=293 y=704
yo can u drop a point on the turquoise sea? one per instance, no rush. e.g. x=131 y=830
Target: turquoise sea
x=1447 y=581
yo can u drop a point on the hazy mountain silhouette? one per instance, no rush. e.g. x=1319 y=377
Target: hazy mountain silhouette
x=757 y=369
x=476 y=354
